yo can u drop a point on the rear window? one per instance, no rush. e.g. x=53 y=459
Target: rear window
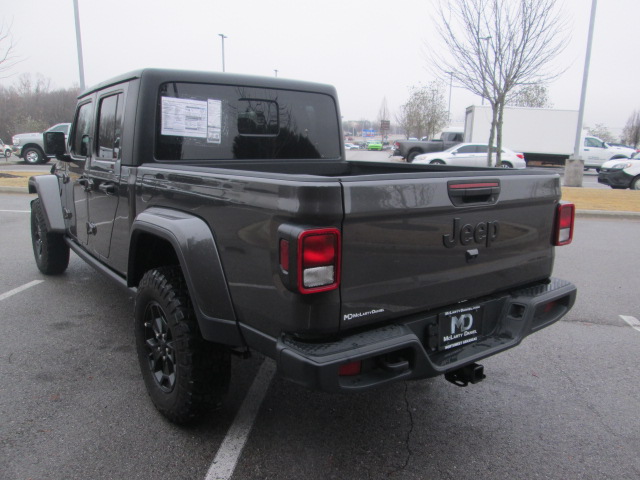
x=219 y=122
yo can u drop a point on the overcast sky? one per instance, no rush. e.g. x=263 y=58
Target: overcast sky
x=370 y=50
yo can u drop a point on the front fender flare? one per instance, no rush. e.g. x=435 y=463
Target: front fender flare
x=48 y=190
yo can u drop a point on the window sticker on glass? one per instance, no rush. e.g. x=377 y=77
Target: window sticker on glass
x=184 y=117
x=214 y=121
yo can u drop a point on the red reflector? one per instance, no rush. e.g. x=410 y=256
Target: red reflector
x=319 y=250
x=284 y=255
x=350 y=369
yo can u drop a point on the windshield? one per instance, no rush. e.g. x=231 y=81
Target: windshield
x=220 y=122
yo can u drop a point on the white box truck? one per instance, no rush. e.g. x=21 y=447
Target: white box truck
x=544 y=135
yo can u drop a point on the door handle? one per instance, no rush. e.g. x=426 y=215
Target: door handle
x=108 y=188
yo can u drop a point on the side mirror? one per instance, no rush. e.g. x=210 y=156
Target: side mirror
x=55 y=144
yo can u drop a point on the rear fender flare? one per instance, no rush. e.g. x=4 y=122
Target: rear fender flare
x=195 y=246
x=48 y=190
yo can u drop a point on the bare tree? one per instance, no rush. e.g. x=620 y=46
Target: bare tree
x=631 y=131
x=536 y=96
x=495 y=46
x=402 y=120
x=8 y=56
x=602 y=132
x=31 y=105
x=425 y=113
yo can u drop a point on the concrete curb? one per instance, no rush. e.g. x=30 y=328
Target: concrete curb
x=608 y=214
x=579 y=213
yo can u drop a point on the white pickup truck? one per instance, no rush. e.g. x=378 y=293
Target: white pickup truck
x=595 y=152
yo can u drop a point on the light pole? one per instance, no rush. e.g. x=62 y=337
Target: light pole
x=276 y=72
x=79 y=43
x=222 y=37
x=574 y=166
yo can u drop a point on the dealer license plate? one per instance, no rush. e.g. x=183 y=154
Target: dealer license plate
x=459 y=327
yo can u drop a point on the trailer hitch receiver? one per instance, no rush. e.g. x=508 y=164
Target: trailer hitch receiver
x=462 y=377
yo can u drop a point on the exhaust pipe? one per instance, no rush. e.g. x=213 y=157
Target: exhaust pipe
x=462 y=377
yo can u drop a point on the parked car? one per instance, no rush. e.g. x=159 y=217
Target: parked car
x=29 y=146
x=351 y=146
x=471 y=155
x=374 y=145
x=621 y=173
x=6 y=149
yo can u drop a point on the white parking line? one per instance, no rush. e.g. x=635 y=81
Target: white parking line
x=229 y=452
x=24 y=287
x=633 y=321
x=15 y=211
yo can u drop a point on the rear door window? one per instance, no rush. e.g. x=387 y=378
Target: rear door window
x=110 y=126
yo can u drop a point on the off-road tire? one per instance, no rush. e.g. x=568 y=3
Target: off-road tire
x=185 y=375
x=49 y=249
x=33 y=156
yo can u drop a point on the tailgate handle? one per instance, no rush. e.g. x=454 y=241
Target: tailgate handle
x=474 y=193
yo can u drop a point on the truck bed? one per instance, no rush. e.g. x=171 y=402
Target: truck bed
x=394 y=220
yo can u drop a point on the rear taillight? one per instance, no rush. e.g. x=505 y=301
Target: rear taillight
x=318 y=260
x=520 y=156
x=563 y=229
x=309 y=258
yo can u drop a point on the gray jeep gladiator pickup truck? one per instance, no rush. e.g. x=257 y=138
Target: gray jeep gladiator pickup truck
x=410 y=149
x=225 y=205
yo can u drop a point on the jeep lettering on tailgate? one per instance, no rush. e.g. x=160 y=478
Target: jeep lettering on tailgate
x=483 y=233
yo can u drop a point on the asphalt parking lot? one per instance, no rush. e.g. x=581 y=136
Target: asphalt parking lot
x=562 y=405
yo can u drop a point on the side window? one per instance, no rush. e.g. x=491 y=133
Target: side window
x=82 y=130
x=592 y=142
x=482 y=148
x=110 y=126
x=61 y=128
x=467 y=149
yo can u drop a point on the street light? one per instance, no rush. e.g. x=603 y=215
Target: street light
x=79 y=43
x=276 y=72
x=222 y=37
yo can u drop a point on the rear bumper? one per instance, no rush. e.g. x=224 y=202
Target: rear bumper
x=408 y=349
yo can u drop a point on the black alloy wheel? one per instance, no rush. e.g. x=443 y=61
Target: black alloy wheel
x=159 y=343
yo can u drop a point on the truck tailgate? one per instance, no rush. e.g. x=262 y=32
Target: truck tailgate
x=411 y=245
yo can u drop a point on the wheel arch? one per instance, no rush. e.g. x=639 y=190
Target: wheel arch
x=162 y=237
x=48 y=190
x=35 y=146
x=413 y=153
